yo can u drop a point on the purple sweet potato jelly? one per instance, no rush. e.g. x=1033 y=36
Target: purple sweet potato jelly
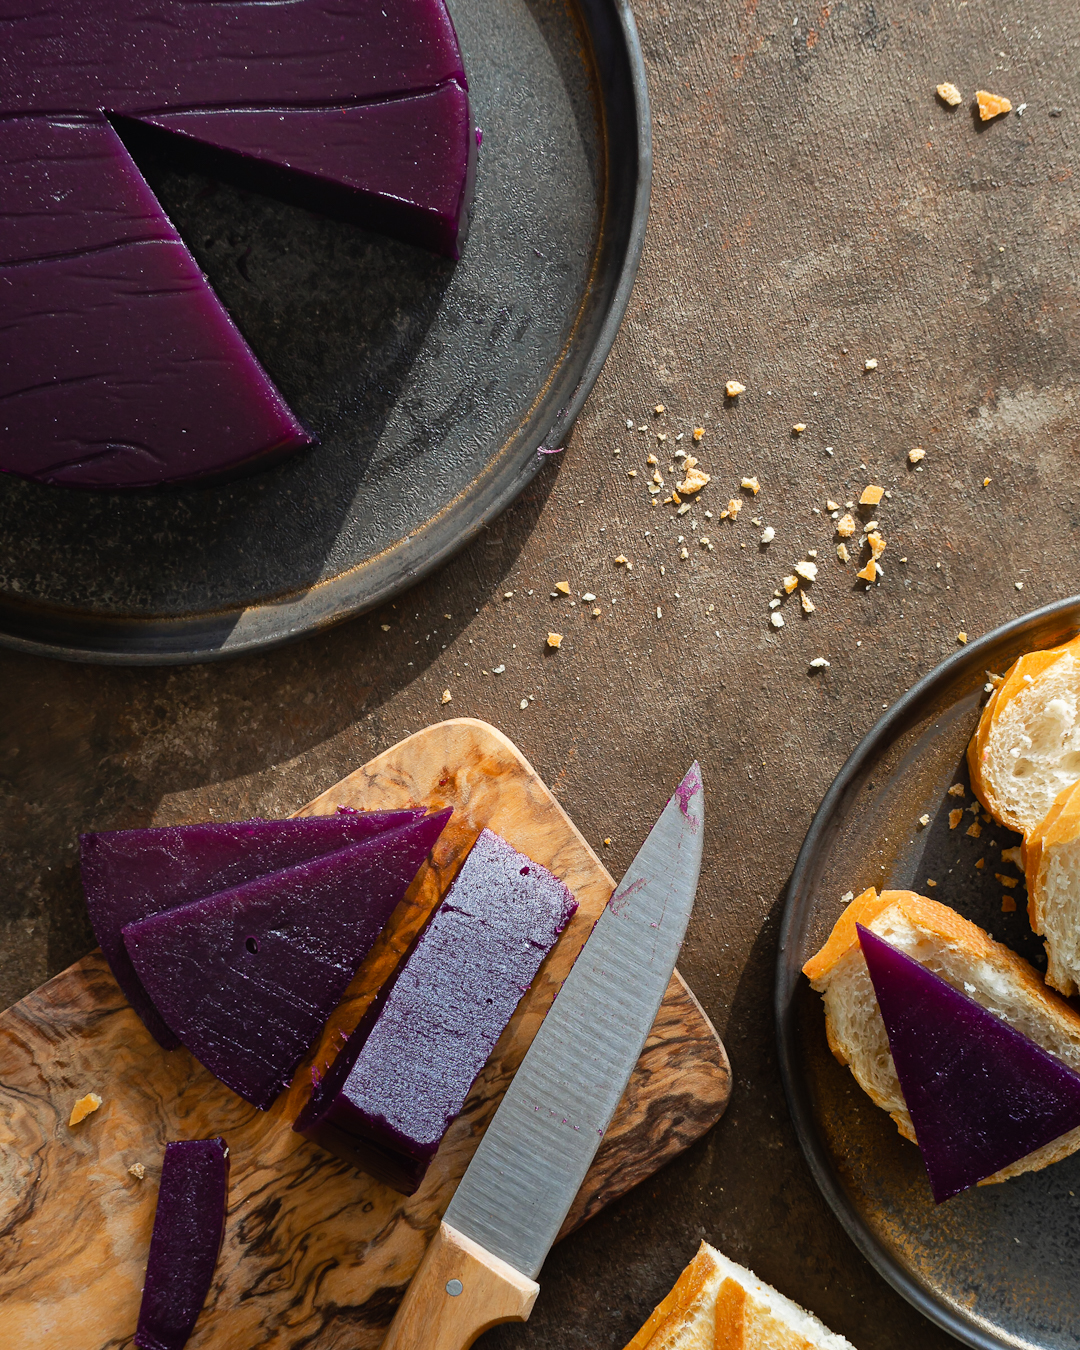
x=189 y=1223
x=130 y=874
x=980 y=1094
x=247 y=978
x=404 y=1074
x=119 y=367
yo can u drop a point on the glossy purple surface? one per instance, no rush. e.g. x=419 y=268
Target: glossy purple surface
x=404 y=1074
x=189 y=1223
x=120 y=367
x=247 y=977
x=128 y=875
x=980 y=1094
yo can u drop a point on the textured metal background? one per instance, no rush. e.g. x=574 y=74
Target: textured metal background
x=998 y=1265
x=429 y=384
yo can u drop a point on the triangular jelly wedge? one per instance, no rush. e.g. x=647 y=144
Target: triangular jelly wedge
x=405 y=1072
x=247 y=978
x=130 y=874
x=403 y=165
x=980 y=1094
x=189 y=1223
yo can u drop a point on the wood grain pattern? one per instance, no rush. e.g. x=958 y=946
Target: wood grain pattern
x=315 y=1253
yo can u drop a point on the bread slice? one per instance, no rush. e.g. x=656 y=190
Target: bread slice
x=718 y=1305
x=971 y=961
x=1027 y=744
x=1052 y=868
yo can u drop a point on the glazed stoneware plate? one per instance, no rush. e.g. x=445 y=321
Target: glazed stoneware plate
x=999 y=1265
x=433 y=386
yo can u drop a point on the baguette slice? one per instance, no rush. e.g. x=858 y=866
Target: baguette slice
x=971 y=961
x=1052 y=868
x=718 y=1305
x=1026 y=748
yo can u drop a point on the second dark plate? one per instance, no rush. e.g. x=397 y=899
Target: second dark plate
x=998 y=1266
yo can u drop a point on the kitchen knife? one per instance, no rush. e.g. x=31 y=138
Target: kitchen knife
x=481 y=1266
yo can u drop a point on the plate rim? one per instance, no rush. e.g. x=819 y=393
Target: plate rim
x=152 y=640
x=969 y=1330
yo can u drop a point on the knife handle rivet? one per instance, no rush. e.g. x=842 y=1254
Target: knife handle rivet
x=454 y=1287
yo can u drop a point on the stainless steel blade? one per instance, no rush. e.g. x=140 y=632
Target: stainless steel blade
x=534 y=1156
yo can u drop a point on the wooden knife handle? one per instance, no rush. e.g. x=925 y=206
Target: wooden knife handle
x=459 y=1291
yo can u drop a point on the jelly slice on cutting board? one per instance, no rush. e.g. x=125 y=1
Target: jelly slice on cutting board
x=189 y=1223
x=980 y=1094
x=247 y=977
x=405 y=1072
x=128 y=875
x=121 y=368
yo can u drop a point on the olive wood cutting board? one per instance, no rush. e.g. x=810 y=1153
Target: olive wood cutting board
x=316 y=1254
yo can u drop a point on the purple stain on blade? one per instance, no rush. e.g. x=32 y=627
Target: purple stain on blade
x=688 y=788
x=617 y=903
x=551 y=450
x=479 y=138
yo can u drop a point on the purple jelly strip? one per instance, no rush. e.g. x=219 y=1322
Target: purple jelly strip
x=980 y=1094
x=248 y=977
x=189 y=1224
x=404 y=1074
x=130 y=874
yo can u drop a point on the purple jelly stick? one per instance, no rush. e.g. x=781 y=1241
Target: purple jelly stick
x=189 y=1224
x=130 y=874
x=247 y=978
x=404 y=1074
x=980 y=1094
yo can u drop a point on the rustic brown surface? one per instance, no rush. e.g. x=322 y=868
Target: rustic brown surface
x=314 y=1251
x=811 y=195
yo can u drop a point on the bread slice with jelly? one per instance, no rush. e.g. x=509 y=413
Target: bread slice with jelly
x=1052 y=868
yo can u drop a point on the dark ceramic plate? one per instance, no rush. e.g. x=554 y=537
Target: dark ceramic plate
x=431 y=385
x=998 y=1265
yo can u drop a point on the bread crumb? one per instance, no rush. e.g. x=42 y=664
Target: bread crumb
x=554 y=640
x=137 y=1170
x=790 y=583
x=447 y=697
x=695 y=480
x=1014 y=856
x=958 y=790
x=924 y=821
x=1008 y=904
x=799 y=428
x=871 y=364
x=683 y=509
x=949 y=94
x=845 y=526
x=916 y=455
x=842 y=553
x=961 y=637
x=991 y=105
x=877 y=545
x=869 y=572
x=607 y=842
x=563 y=587
x=698 y=433
x=930 y=882
x=807 y=604
x=596 y=612
x=85 y=1106
x=974 y=829
x=955 y=817
x=980 y=864
x=819 y=663
x=385 y=627
x=659 y=612
x=777 y=620
x=659 y=409
x=733 y=388
x=523 y=704
x=1011 y=882
x=620 y=559
x=806 y=570
x=631 y=473
x=651 y=459
x=871 y=495
x=768 y=534
x=830 y=505
x=751 y=485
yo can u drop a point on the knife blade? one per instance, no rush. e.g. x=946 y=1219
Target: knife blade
x=481 y=1267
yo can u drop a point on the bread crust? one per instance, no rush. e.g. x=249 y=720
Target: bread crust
x=685 y=1292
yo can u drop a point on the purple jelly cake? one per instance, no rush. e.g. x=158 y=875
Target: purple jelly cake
x=120 y=367
x=128 y=875
x=247 y=978
x=405 y=1072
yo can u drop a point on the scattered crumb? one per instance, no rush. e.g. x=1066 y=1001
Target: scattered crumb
x=777 y=620
x=799 y=428
x=659 y=612
x=842 y=553
x=768 y=534
x=819 y=663
x=137 y=1170
x=695 y=480
x=806 y=570
x=987 y=482
x=733 y=388
x=1010 y=882
x=734 y=506
x=924 y=821
x=751 y=485
x=698 y=433
x=523 y=704
x=775 y=603
x=385 y=627
x=684 y=552
x=961 y=637
x=658 y=409
x=1008 y=904
x=869 y=572
x=651 y=459
x=955 y=817
x=974 y=829
x=980 y=864
x=995 y=680
x=790 y=583
x=871 y=495
x=447 y=697
x=596 y=612
x=1019 y=585
x=916 y=455
x=832 y=506
x=607 y=842
x=949 y=94
x=554 y=640
x=845 y=526
x=930 y=882
x=991 y=105
x=620 y=560
x=1013 y=855
x=683 y=509
x=871 y=364
x=877 y=545
x=588 y=597
x=631 y=473
x=85 y=1106
x=807 y=604
x=958 y=790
